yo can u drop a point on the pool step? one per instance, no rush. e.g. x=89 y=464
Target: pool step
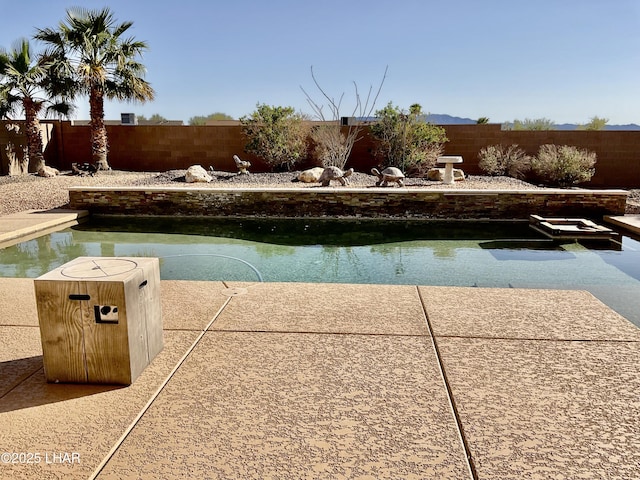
x=571 y=228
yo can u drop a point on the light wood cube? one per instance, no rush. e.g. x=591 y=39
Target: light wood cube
x=100 y=319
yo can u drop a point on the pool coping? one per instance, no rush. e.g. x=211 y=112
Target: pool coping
x=389 y=190
x=629 y=223
x=21 y=226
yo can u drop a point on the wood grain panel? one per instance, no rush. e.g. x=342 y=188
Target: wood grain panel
x=61 y=330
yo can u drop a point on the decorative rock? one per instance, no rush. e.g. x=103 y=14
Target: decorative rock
x=83 y=169
x=195 y=173
x=311 y=175
x=242 y=165
x=437 y=174
x=48 y=172
x=334 y=173
x=389 y=174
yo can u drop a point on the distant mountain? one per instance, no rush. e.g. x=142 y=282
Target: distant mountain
x=444 y=119
x=573 y=126
x=628 y=126
x=566 y=126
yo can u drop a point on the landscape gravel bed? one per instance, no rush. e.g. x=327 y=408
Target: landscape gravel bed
x=31 y=192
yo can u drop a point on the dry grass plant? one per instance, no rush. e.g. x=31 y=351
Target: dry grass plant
x=333 y=141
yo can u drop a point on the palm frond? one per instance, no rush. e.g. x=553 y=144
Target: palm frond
x=10 y=104
x=60 y=109
x=120 y=29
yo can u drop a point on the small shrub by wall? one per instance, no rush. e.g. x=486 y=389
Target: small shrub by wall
x=510 y=160
x=563 y=165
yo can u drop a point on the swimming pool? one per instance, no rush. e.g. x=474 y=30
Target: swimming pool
x=490 y=254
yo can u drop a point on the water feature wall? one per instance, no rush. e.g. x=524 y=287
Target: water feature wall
x=350 y=202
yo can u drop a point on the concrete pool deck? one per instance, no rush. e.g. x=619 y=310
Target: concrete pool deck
x=21 y=226
x=630 y=223
x=286 y=380
x=273 y=380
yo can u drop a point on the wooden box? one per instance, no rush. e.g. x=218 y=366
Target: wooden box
x=100 y=319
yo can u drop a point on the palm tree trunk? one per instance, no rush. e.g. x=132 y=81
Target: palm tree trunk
x=32 y=132
x=99 y=144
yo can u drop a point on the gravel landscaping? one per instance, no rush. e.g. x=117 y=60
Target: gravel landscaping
x=30 y=192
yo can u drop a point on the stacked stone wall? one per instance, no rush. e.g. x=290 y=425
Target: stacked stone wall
x=350 y=202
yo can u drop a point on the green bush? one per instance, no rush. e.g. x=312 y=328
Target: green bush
x=563 y=165
x=278 y=135
x=406 y=141
x=530 y=124
x=511 y=161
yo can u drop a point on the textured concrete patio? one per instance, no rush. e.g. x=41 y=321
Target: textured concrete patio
x=272 y=380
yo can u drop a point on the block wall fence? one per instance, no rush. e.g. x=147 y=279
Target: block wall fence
x=170 y=147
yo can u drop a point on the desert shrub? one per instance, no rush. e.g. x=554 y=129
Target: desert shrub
x=563 y=165
x=278 y=135
x=333 y=143
x=511 y=161
x=596 y=123
x=331 y=147
x=530 y=124
x=406 y=141
x=418 y=165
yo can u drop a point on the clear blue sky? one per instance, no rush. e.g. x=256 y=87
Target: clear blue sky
x=566 y=60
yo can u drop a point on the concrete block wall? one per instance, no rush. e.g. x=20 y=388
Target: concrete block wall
x=167 y=147
x=18 y=141
x=158 y=148
x=618 y=152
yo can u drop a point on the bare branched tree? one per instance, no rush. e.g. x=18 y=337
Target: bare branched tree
x=333 y=143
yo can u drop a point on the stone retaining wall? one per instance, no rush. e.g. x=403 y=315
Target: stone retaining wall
x=350 y=202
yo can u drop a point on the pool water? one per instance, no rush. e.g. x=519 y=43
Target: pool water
x=349 y=251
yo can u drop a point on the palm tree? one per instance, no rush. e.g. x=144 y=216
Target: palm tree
x=93 y=58
x=25 y=85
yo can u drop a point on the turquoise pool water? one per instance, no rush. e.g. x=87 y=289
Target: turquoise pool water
x=366 y=251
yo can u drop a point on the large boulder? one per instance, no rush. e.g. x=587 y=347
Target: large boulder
x=311 y=176
x=48 y=172
x=437 y=174
x=197 y=174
